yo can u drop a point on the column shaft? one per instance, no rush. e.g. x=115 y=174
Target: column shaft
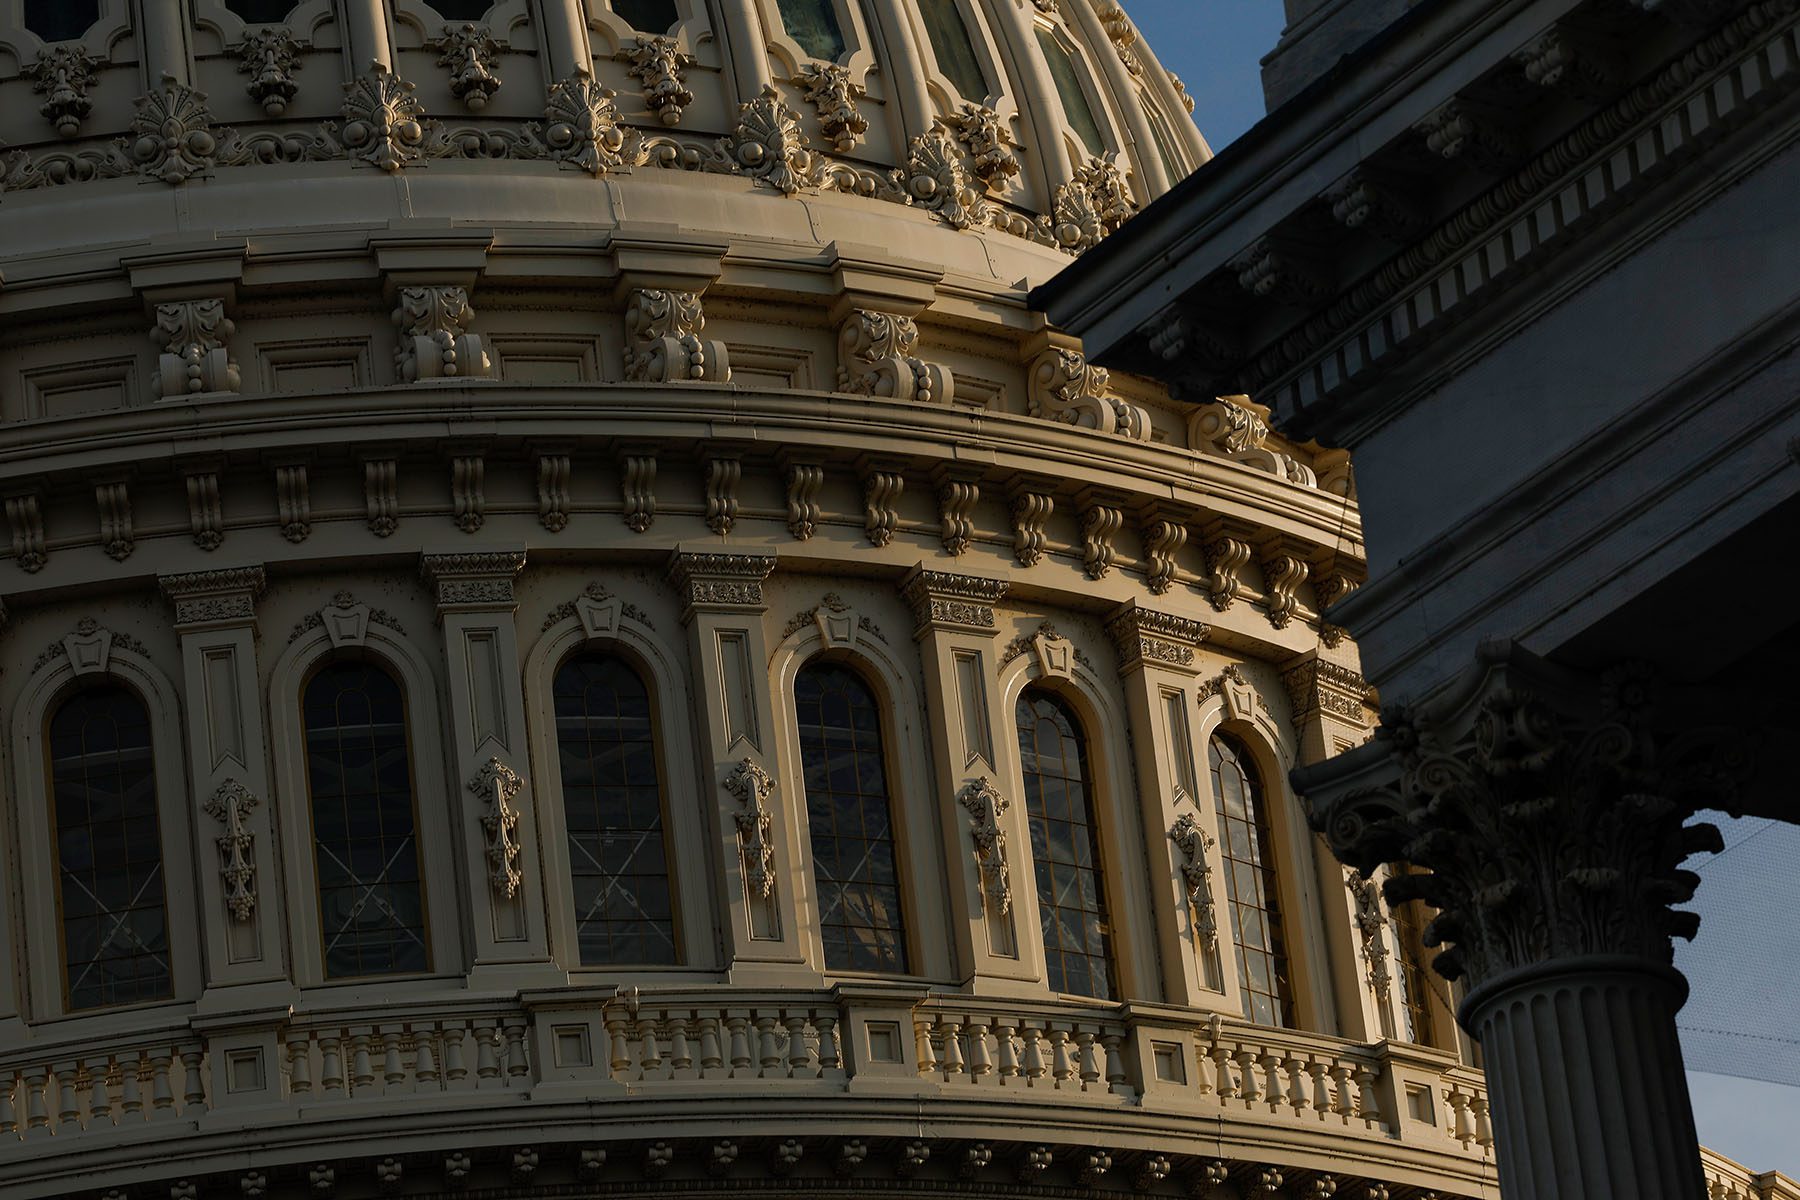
x=563 y=34
x=748 y=60
x=905 y=73
x=163 y=42
x=366 y=40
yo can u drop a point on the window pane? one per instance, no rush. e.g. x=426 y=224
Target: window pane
x=849 y=816
x=365 y=844
x=814 y=24
x=1065 y=847
x=258 y=12
x=1068 y=86
x=1247 y=845
x=60 y=20
x=1415 y=980
x=109 y=850
x=612 y=802
x=954 y=48
x=649 y=16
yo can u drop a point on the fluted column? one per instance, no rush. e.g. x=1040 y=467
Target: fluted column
x=563 y=34
x=1549 y=814
x=163 y=41
x=366 y=40
x=748 y=56
x=903 y=67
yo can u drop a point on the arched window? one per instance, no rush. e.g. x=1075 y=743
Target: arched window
x=260 y=12
x=1065 y=847
x=60 y=20
x=115 y=928
x=647 y=16
x=1249 y=851
x=365 y=843
x=851 y=820
x=612 y=806
x=814 y=24
x=1074 y=97
x=954 y=48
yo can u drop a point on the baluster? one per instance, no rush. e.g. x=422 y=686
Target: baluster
x=739 y=1027
x=193 y=1091
x=831 y=1053
x=981 y=1061
x=425 y=1067
x=393 y=1071
x=9 y=1113
x=1346 y=1104
x=1271 y=1065
x=1117 y=1081
x=1368 y=1103
x=681 y=1055
x=100 y=1105
x=1008 y=1050
x=1034 y=1055
x=37 y=1115
x=928 y=1062
x=131 y=1089
x=1297 y=1080
x=1322 y=1104
x=362 y=1072
x=456 y=1065
x=954 y=1063
x=331 y=1064
x=1062 y=1063
x=1249 y=1091
x=1085 y=1056
x=1462 y=1129
x=162 y=1088
x=299 y=1064
x=68 y=1109
x=1228 y=1085
x=768 y=1053
x=517 y=1065
x=1484 y=1129
x=798 y=1056
x=712 y=1057
x=651 y=1055
x=487 y=1061
x=618 y=1044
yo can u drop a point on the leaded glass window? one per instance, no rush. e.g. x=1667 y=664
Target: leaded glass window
x=60 y=20
x=1255 y=904
x=262 y=12
x=954 y=47
x=648 y=16
x=851 y=820
x=612 y=807
x=1074 y=97
x=114 y=914
x=1065 y=847
x=365 y=827
x=814 y=24
x=1415 y=981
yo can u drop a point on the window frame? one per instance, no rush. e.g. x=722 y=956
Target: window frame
x=1263 y=829
x=1106 y=124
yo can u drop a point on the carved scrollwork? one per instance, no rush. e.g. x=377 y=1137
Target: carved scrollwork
x=1122 y=34
x=471 y=55
x=1090 y=206
x=381 y=496
x=1237 y=429
x=1196 y=847
x=981 y=131
x=830 y=89
x=113 y=499
x=270 y=55
x=174 y=139
x=986 y=808
x=803 y=483
x=206 y=514
x=938 y=179
x=231 y=804
x=878 y=356
x=881 y=504
x=553 y=491
x=433 y=320
x=1282 y=576
x=722 y=477
x=63 y=73
x=956 y=504
x=193 y=358
x=657 y=63
x=751 y=786
x=637 y=483
x=1371 y=927
x=663 y=328
x=767 y=144
x=498 y=785
x=293 y=502
x=1163 y=540
x=384 y=123
x=1226 y=558
x=1066 y=387
x=1030 y=512
x=582 y=128
x=1100 y=524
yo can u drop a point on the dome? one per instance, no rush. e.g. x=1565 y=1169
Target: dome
x=569 y=628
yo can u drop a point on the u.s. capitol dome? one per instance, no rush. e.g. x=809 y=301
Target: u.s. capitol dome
x=568 y=629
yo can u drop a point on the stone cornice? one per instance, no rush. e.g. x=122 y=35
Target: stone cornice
x=947 y=602
x=473 y=581
x=711 y=581
x=1147 y=637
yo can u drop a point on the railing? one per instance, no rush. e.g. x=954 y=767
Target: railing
x=662 y=1040
x=1001 y=1046
x=1727 y=1180
x=330 y=1061
x=134 y=1084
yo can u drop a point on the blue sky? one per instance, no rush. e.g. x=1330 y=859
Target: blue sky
x=1216 y=46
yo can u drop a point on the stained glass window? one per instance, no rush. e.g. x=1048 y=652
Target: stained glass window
x=60 y=20
x=365 y=829
x=1065 y=847
x=648 y=16
x=108 y=850
x=851 y=820
x=612 y=806
x=954 y=48
x=261 y=12
x=1068 y=86
x=1249 y=854
x=814 y=24
x=1415 y=982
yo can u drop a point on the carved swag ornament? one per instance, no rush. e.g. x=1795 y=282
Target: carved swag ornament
x=1547 y=811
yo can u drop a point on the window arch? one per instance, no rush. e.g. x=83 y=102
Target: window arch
x=613 y=812
x=111 y=895
x=60 y=20
x=814 y=25
x=953 y=45
x=647 y=16
x=850 y=817
x=1074 y=97
x=365 y=822
x=1065 y=846
x=1247 y=844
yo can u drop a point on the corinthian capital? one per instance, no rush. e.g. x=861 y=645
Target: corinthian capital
x=1548 y=807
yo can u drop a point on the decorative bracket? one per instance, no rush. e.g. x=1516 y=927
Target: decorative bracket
x=231 y=803
x=663 y=329
x=1066 y=388
x=877 y=355
x=657 y=64
x=194 y=359
x=499 y=784
x=434 y=343
x=986 y=806
x=752 y=786
x=1196 y=847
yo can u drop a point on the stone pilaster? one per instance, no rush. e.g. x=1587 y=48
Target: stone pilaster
x=1157 y=669
x=983 y=826
x=723 y=608
x=497 y=829
x=233 y=809
x=1549 y=816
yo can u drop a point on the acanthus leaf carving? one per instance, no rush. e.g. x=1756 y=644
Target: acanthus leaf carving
x=1470 y=132
x=381 y=499
x=981 y=131
x=1122 y=34
x=1065 y=387
x=174 y=139
x=1237 y=429
x=938 y=179
x=434 y=341
x=751 y=786
x=1144 y=635
x=293 y=501
x=944 y=599
x=1187 y=101
x=194 y=358
x=956 y=502
x=582 y=128
x=1196 y=846
x=637 y=483
x=1100 y=525
x=1371 y=927
x=657 y=63
x=468 y=491
x=1282 y=576
x=829 y=88
x=230 y=804
x=206 y=516
x=663 y=329
x=767 y=144
x=498 y=785
x=63 y=73
x=270 y=56
x=1226 y=557
x=471 y=55
x=1090 y=206
x=1163 y=539
x=878 y=356
x=987 y=809
x=384 y=123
